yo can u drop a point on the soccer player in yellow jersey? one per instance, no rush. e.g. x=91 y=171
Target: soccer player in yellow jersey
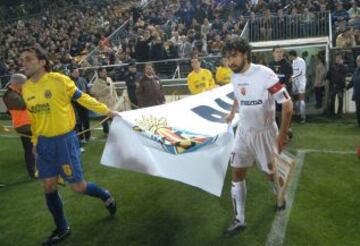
x=223 y=73
x=200 y=79
x=48 y=98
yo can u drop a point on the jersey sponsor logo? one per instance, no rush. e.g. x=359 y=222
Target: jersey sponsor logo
x=30 y=98
x=48 y=94
x=45 y=107
x=200 y=85
x=243 y=84
x=251 y=102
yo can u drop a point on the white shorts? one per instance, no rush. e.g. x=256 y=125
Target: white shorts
x=251 y=146
x=299 y=87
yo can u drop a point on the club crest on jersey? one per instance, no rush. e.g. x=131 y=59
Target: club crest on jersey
x=243 y=91
x=48 y=94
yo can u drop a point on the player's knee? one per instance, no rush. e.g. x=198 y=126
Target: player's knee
x=49 y=188
x=50 y=185
x=238 y=174
x=79 y=187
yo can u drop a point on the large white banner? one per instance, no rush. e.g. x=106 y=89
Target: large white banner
x=186 y=140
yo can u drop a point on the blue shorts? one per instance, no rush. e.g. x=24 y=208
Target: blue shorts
x=60 y=156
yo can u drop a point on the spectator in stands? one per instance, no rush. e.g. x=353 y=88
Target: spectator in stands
x=266 y=25
x=20 y=118
x=217 y=25
x=223 y=73
x=354 y=14
x=336 y=77
x=254 y=26
x=157 y=50
x=104 y=91
x=83 y=122
x=340 y=14
x=149 y=92
x=346 y=39
x=319 y=80
x=199 y=80
x=175 y=38
x=205 y=27
x=307 y=20
x=217 y=45
x=280 y=25
x=357 y=37
x=61 y=32
x=355 y=83
x=185 y=48
x=260 y=6
x=131 y=78
x=142 y=48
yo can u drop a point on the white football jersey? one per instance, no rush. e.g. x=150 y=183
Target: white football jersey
x=299 y=70
x=256 y=90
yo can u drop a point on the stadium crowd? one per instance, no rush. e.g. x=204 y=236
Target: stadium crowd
x=64 y=34
x=166 y=29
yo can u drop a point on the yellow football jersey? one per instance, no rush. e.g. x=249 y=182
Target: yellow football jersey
x=49 y=103
x=223 y=75
x=200 y=82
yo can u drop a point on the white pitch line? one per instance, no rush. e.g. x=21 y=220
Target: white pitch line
x=346 y=152
x=277 y=233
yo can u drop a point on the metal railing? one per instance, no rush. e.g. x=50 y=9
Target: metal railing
x=289 y=27
x=165 y=69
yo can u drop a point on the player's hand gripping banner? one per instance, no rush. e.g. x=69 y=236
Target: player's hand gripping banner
x=187 y=140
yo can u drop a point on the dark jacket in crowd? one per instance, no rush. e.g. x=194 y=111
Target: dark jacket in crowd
x=336 y=76
x=148 y=92
x=355 y=82
x=82 y=84
x=283 y=70
x=130 y=80
x=157 y=52
x=142 y=51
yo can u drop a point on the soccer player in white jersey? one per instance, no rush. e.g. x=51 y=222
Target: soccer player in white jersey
x=299 y=83
x=256 y=89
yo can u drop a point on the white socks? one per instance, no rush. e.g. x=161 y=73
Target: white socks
x=302 y=109
x=238 y=194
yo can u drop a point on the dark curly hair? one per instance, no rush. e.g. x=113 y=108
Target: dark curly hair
x=237 y=45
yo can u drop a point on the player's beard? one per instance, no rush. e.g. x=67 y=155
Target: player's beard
x=238 y=68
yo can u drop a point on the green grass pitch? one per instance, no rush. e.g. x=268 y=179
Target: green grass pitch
x=155 y=211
